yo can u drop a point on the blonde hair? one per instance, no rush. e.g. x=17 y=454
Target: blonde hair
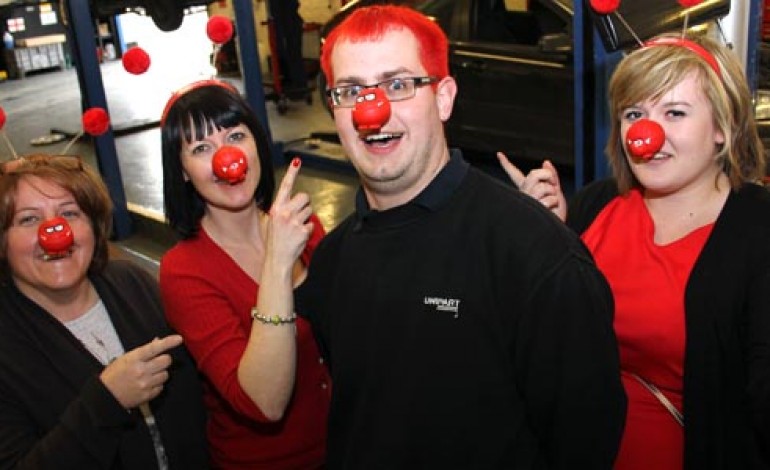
x=650 y=72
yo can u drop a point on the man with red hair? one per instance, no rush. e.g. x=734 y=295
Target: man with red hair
x=464 y=326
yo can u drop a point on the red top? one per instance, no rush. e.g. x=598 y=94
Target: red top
x=648 y=283
x=208 y=298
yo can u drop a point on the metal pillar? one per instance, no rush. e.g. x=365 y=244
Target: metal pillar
x=753 y=38
x=593 y=67
x=578 y=91
x=604 y=64
x=252 y=72
x=92 y=95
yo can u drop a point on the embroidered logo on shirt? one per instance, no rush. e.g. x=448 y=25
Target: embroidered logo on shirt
x=444 y=305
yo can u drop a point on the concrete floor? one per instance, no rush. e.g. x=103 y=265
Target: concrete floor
x=50 y=100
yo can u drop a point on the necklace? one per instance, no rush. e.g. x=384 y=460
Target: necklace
x=103 y=355
x=96 y=333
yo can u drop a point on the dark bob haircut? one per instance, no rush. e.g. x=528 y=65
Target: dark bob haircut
x=192 y=115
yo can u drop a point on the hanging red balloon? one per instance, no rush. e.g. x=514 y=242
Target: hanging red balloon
x=136 y=60
x=96 y=121
x=219 y=29
x=230 y=164
x=645 y=138
x=2 y=117
x=605 y=7
x=689 y=3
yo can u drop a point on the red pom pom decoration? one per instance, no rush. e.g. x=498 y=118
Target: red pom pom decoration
x=2 y=117
x=96 y=121
x=605 y=7
x=136 y=61
x=219 y=29
x=645 y=138
x=689 y=3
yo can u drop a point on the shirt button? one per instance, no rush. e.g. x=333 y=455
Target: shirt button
x=323 y=385
x=320 y=360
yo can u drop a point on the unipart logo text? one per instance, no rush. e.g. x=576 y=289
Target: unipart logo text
x=444 y=305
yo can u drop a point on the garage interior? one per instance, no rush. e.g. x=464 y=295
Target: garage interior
x=44 y=90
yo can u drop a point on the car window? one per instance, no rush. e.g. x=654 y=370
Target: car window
x=516 y=22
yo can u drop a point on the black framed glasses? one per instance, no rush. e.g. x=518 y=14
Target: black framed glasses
x=64 y=162
x=396 y=89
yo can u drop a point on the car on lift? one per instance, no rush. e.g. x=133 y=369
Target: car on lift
x=513 y=62
x=166 y=14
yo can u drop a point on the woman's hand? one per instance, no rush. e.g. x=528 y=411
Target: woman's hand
x=267 y=368
x=288 y=226
x=138 y=376
x=541 y=183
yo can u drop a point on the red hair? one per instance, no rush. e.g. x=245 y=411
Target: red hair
x=373 y=22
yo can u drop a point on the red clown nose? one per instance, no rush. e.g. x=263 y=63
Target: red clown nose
x=644 y=139
x=372 y=111
x=55 y=237
x=230 y=164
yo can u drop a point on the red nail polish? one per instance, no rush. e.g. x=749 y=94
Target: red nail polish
x=295 y=162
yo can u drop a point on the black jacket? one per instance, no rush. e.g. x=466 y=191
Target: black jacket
x=55 y=413
x=727 y=327
x=467 y=329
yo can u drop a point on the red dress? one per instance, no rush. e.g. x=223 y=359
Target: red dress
x=648 y=283
x=207 y=298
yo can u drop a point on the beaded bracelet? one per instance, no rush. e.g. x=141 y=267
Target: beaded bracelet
x=274 y=320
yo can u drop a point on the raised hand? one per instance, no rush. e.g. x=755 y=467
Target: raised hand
x=289 y=226
x=267 y=368
x=540 y=183
x=138 y=376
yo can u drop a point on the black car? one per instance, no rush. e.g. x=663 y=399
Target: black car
x=513 y=62
x=515 y=77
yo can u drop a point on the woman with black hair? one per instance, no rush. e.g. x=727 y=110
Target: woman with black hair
x=227 y=285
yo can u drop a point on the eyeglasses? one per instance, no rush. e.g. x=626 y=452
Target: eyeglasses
x=64 y=162
x=396 y=89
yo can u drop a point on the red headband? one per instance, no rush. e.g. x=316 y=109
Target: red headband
x=190 y=87
x=689 y=45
